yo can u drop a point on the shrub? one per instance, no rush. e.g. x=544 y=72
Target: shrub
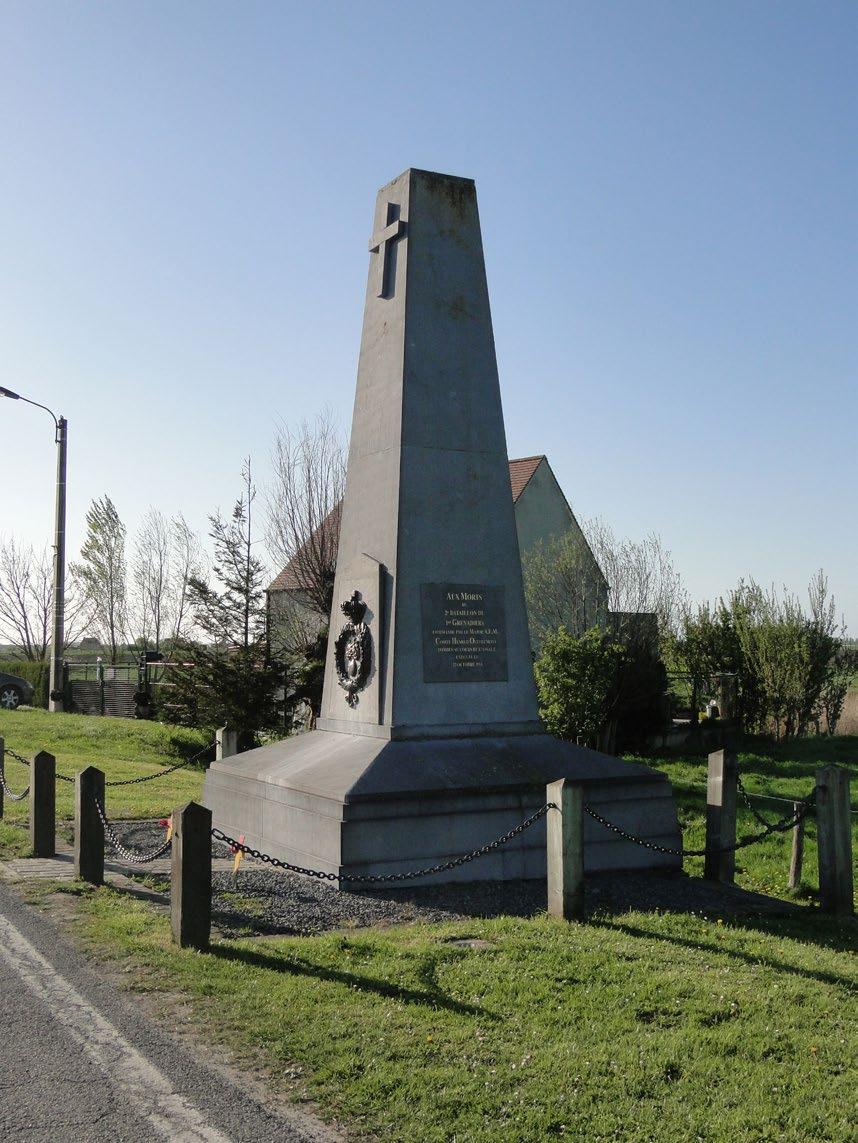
x=577 y=680
x=792 y=669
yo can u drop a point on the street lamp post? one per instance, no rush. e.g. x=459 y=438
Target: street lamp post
x=55 y=698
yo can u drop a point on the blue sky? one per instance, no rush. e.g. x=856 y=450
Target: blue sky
x=668 y=199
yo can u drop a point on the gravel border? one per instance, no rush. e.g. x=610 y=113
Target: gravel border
x=259 y=900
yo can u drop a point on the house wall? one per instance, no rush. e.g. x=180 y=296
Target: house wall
x=542 y=514
x=291 y=622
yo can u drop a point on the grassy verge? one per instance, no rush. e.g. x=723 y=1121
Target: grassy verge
x=122 y=748
x=643 y=1027
x=14 y=841
x=787 y=771
x=648 y=1026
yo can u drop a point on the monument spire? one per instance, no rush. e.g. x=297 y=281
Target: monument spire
x=427 y=533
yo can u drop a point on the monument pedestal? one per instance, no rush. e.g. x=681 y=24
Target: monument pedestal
x=350 y=804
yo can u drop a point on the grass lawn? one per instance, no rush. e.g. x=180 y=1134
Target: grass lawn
x=640 y=1027
x=121 y=747
x=787 y=771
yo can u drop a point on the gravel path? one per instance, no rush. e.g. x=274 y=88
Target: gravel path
x=265 y=901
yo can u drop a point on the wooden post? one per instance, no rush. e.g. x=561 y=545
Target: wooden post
x=2 y=771
x=565 y=853
x=88 y=830
x=834 y=838
x=226 y=740
x=797 y=855
x=721 y=816
x=191 y=874
x=43 y=804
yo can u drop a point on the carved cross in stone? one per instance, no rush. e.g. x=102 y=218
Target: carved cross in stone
x=383 y=244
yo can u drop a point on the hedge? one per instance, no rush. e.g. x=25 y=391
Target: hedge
x=35 y=672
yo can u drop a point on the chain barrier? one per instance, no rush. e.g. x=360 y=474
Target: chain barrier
x=124 y=851
x=782 y=826
x=755 y=814
x=13 y=797
x=384 y=878
x=126 y=781
x=160 y=773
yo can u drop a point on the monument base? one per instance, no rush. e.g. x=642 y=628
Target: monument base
x=349 y=804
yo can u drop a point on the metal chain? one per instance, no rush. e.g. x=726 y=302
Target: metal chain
x=9 y=794
x=14 y=754
x=161 y=773
x=746 y=798
x=126 y=781
x=781 y=826
x=123 y=851
x=385 y=878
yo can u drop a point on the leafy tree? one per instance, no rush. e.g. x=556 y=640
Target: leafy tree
x=225 y=677
x=102 y=573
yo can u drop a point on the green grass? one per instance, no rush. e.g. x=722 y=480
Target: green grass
x=14 y=841
x=641 y=1027
x=645 y=1026
x=121 y=747
x=787 y=771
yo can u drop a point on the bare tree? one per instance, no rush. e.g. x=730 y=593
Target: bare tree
x=641 y=577
x=187 y=562
x=102 y=572
x=27 y=600
x=150 y=577
x=303 y=504
x=563 y=587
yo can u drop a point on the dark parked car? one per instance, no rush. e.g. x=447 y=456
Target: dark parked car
x=14 y=691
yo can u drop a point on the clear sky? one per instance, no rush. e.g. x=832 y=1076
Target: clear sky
x=669 y=204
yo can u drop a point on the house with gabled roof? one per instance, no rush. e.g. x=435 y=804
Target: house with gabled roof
x=542 y=514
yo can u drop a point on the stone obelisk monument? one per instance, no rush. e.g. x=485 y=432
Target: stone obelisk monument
x=429 y=742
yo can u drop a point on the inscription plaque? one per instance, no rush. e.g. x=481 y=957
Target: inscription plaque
x=464 y=633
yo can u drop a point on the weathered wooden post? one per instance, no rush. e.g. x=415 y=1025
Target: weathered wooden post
x=720 y=863
x=565 y=852
x=226 y=742
x=191 y=876
x=88 y=830
x=2 y=771
x=834 y=838
x=797 y=855
x=43 y=804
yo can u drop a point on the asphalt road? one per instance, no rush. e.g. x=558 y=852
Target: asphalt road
x=78 y=1062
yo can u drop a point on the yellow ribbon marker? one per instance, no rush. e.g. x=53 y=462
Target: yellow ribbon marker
x=239 y=853
x=167 y=823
